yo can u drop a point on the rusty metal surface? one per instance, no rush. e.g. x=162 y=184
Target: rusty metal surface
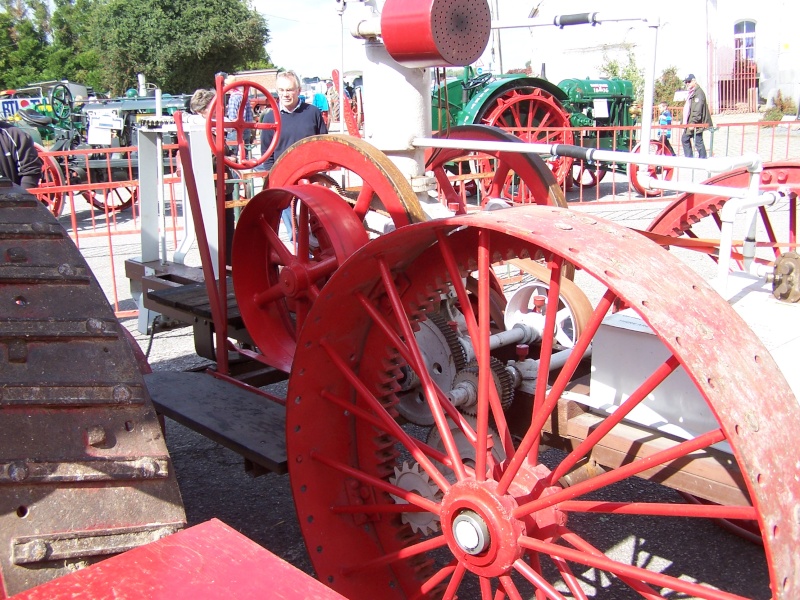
x=84 y=471
x=346 y=377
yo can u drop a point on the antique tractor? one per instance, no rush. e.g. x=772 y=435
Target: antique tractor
x=472 y=400
x=536 y=110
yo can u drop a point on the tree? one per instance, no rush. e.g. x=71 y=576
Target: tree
x=71 y=55
x=614 y=68
x=177 y=45
x=23 y=42
x=667 y=85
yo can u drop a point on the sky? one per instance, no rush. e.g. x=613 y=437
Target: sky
x=306 y=36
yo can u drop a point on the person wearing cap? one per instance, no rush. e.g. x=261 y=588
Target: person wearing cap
x=696 y=116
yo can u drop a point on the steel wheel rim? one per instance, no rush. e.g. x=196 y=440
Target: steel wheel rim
x=363 y=552
x=385 y=186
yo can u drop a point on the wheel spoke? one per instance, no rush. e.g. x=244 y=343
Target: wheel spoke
x=437 y=578
x=267 y=297
x=485 y=380
x=274 y=243
x=428 y=385
x=455 y=581
x=543 y=375
x=377 y=482
x=651 y=383
x=569 y=578
x=364 y=200
x=472 y=329
x=391 y=425
x=704 y=511
x=658 y=458
x=537 y=580
x=402 y=554
x=539 y=419
x=630 y=571
x=402 y=348
x=577 y=542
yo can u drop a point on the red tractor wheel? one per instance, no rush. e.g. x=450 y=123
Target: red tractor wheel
x=587 y=177
x=52 y=176
x=663 y=173
x=515 y=177
x=385 y=515
x=114 y=199
x=276 y=283
x=373 y=184
x=534 y=115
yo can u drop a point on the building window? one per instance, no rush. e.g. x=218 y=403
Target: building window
x=744 y=40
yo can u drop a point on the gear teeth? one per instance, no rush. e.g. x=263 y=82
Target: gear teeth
x=459 y=354
x=503 y=381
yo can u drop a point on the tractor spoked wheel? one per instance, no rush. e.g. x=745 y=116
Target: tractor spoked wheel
x=381 y=520
x=371 y=183
x=514 y=177
x=114 y=199
x=277 y=282
x=534 y=115
x=587 y=177
x=661 y=173
x=52 y=176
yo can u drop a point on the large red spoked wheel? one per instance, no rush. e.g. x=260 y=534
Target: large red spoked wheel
x=277 y=282
x=663 y=173
x=373 y=184
x=536 y=116
x=697 y=216
x=587 y=177
x=515 y=177
x=382 y=520
x=52 y=176
x=115 y=199
x=239 y=125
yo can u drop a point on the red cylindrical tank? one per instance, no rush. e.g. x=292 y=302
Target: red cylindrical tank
x=430 y=33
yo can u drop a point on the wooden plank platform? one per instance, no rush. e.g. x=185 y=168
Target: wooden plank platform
x=246 y=422
x=191 y=300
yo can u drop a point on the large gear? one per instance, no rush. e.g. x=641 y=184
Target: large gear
x=412 y=479
x=459 y=354
x=503 y=381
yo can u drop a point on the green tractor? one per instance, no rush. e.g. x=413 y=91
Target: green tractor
x=538 y=111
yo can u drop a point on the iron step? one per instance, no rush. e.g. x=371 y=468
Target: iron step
x=244 y=421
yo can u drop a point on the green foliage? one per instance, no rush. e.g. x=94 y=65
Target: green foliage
x=106 y=43
x=628 y=70
x=23 y=43
x=177 y=45
x=666 y=86
x=780 y=106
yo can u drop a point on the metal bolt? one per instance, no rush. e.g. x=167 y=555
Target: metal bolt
x=18 y=471
x=94 y=326
x=16 y=255
x=95 y=435
x=122 y=393
x=65 y=270
x=34 y=551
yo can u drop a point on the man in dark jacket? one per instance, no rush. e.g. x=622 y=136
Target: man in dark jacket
x=19 y=159
x=697 y=116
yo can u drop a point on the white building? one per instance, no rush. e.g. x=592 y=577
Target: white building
x=733 y=47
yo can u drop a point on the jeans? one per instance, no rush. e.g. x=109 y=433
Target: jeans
x=686 y=140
